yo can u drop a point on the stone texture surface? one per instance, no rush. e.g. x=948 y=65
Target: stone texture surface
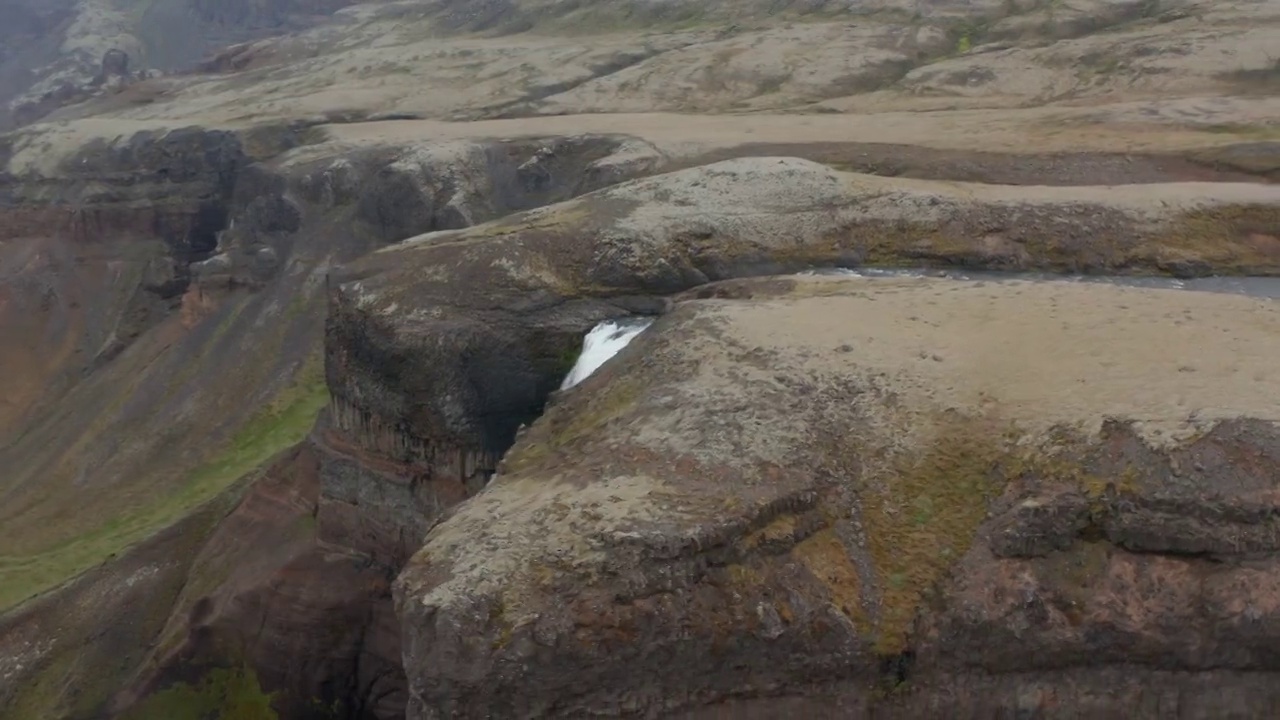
x=448 y=374
x=875 y=496
x=1173 y=63
x=162 y=299
x=62 y=53
x=661 y=542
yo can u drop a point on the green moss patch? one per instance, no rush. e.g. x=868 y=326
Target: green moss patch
x=1238 y=239
x=282 y=423
x=222 y=694
x=828 y=559
x=1261 y=81
x=89 y=663
x=922 y=518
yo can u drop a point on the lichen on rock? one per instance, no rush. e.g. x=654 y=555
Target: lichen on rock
x=825 y=522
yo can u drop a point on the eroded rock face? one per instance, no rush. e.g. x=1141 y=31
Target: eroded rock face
x=111 y=228
x=96 y=248
x=448 y=186
x=373 y=501
x=230 y=236
x=674 y=560
x=324 y=637
x=414 y=351
x=891 y=496
x=438 y=348
x=273 y=14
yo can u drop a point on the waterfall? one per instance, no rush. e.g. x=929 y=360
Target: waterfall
x=603 y=342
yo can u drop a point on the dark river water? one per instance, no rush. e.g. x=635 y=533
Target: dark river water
x=1263 y=287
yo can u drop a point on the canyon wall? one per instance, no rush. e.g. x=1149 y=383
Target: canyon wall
x=230 y=258
x=170 y=283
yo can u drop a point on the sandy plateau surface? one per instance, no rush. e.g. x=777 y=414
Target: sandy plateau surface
x=1039 y=354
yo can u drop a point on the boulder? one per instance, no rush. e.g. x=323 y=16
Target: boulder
x=115 y=63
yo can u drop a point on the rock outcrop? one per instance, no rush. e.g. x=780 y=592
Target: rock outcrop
x=140 y=392
x=791 y=496
x=1174 y=65
x=905 y=498
x=438 y=348
x=187 y=301
x=309 y=621
x=672 y=561
x=434 y=369
x=97 y=252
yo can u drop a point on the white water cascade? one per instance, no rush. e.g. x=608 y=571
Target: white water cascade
x=603 y=342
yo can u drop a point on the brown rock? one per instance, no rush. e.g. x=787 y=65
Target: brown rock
x=1002 y=525
x=313 y=621
x=416 y=354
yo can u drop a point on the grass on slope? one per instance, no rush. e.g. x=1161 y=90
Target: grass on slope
x=223 y=694
x=281 y=424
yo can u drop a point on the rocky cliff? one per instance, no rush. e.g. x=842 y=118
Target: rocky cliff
x=231 y=240
x=875 y=497
x=162 y=337
x=632 y=608
x=281 y=341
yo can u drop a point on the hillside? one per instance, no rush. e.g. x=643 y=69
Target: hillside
x=285 y=301
x=66 y=51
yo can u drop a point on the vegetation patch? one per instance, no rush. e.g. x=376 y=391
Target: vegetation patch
x=826 y=556
x=498 y=620
x=1262 y=81
x=601 y=17
x=222 y=694
x=781 y=529
x=82 y=673
x=921 y=518
x=1231 y=240
x=561 y=217
x=1245 y=132
x=285 y=421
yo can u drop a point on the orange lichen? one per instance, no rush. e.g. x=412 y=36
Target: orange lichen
x=826 y=556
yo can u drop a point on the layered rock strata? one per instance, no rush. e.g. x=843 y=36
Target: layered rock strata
x=905 y=498
x=186 y=301
x=636 y=555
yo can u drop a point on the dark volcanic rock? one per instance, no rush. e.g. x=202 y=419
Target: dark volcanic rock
x=103 y=240
x=115 y=63
x=324 y=636
x=937 y=523
x=314 y=621
x=229 y=237
x=729 y=520
x=455 y=185
x=749 y=513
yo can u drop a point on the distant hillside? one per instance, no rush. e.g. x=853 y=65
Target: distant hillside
x=51 y=53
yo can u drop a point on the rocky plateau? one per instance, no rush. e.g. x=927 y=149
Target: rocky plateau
x=288 y=290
